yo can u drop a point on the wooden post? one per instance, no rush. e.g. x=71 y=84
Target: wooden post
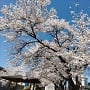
x=16 y=86
x=35 y=86
x=9 y=85
x=32 y=87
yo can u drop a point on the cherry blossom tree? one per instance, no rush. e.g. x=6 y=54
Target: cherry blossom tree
x=61 y=56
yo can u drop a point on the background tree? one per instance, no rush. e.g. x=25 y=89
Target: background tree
x=58 y=58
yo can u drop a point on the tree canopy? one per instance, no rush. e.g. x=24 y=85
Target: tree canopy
x=63 y=54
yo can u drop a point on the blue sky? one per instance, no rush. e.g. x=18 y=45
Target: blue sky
x=63 y=11
x=4 y=47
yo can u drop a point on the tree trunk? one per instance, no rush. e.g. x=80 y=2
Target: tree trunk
x=61 y=85
x=72 y=85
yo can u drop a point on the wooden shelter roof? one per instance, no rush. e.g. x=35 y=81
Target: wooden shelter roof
x=20 y=79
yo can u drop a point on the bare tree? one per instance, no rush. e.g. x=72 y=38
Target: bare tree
x=61 y=55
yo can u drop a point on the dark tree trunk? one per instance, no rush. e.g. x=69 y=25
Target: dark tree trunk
x=58 y=87
x=72 y=85
x=61 y=85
